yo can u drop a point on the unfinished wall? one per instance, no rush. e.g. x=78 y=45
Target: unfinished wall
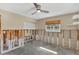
x=67 y=38
x=13 y=21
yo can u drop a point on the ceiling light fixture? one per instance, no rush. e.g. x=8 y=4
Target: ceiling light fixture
x=38 y=11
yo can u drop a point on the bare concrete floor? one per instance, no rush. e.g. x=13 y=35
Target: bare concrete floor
x=41 y=48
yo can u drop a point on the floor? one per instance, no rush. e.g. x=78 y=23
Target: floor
x=41 y=48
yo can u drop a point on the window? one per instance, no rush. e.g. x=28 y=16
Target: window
x=53 y=27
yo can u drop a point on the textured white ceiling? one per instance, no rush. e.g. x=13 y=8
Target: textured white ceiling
x=27 y=9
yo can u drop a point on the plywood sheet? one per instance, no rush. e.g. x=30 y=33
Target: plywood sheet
x=54 y=22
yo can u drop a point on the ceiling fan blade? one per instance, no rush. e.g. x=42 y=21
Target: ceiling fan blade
x=35 y=4
x=34 y=12
x=33 y=8
x=44 y=11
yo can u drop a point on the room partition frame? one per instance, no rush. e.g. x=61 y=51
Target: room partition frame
x=11 y=39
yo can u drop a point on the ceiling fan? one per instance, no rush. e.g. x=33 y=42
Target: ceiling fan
x=38 y=9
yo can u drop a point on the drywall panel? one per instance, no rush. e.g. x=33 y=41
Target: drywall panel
x=67 y=19
x=13 y=21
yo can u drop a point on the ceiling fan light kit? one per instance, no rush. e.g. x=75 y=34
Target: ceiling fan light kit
x=38 y=11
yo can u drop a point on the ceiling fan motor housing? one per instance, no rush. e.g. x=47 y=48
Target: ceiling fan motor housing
x=38 y=7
